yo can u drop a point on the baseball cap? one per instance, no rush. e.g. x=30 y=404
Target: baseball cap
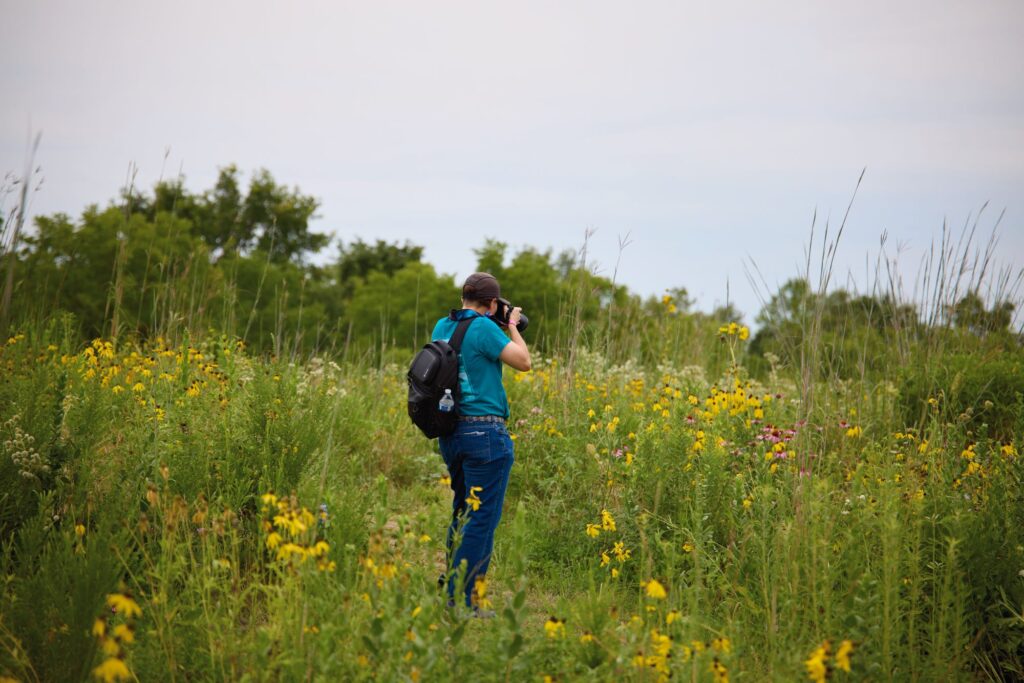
x=481 y=287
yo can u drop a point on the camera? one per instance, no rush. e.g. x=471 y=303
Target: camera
x=504 y=311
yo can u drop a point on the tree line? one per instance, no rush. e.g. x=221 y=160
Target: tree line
x=238 y=259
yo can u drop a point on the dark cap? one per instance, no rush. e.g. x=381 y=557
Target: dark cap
x=480 y=287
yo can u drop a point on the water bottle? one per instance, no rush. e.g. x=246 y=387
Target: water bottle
x=447 y=402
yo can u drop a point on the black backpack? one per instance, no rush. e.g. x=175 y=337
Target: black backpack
x=434 y=369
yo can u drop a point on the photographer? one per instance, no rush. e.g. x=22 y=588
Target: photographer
x=479 y=454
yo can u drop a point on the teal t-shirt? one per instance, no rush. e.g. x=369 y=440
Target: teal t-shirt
x=479 y=367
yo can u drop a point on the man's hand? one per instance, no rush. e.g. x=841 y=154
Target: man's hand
x=515 y=353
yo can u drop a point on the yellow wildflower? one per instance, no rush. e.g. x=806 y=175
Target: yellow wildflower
x=112 y=669
x=110 y=647
x=123 y=604
x=655 y=590
x=661 y=643
x=124 y=633
x=621 y=553
x=473 y=501
x=607 y=521
x=843 y=655
x=288 y=549
x=817 y=670
x=721 y=645
x=480 y=593
x=718 y=669
x=554 y=627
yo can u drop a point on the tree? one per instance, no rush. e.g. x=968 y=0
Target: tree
x=270 y=217
x=357 y=260
x=278 y=220
x=969 y=313
x=75 y=267
x=401 y=307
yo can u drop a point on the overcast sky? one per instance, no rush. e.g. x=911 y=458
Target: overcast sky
x=709 y=132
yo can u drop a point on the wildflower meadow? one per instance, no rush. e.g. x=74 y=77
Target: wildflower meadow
x=207 y=470
x=759 y=417
x=191 y=510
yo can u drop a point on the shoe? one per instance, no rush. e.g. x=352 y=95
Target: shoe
x=483 y=613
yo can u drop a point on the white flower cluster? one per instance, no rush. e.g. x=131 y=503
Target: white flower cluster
x=22 y=451
x=316 y=373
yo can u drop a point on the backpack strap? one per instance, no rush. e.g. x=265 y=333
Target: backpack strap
x=455 y=341
x=460 y=331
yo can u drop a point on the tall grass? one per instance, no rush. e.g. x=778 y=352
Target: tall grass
x=673 y=510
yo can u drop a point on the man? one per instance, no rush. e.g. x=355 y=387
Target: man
x=479 y=454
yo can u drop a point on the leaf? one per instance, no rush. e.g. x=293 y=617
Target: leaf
x=519 y=600
x=515 y=646
x=370 y=645
x=457 y=634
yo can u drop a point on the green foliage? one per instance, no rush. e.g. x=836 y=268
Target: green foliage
x=174 y=263
x=110 y=269
x=970 y=313
x=270 y=217
x=766 y=535
x=160 y=264
x=400 y=308
x=572 y=306
x=982 y=391
x=55 y=589
x=856 y=336
x=667 y=514
x=357 y=260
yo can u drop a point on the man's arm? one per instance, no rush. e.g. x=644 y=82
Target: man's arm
x=515 y=354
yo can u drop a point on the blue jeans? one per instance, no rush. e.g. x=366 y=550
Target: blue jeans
x=478 y=454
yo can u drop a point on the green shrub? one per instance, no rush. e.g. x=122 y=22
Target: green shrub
x=973 y=389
